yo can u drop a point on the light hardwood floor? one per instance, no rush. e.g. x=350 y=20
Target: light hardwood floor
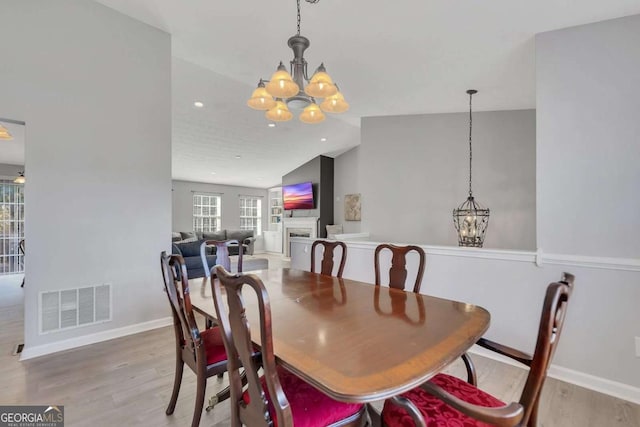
x=127 y=382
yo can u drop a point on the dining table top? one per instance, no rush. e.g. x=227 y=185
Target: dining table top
x=355 y=341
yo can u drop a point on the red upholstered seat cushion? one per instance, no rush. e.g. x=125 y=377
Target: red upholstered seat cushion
x=213 y=345
x=309 y=407
x=437 y=413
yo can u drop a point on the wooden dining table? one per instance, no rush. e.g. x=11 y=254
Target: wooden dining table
x=354 y=341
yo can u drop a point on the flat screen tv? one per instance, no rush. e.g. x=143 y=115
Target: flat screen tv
x=297 y=196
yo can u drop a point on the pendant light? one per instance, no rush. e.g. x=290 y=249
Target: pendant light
x=471 y=218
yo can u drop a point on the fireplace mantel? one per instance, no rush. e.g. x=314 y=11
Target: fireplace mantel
x=305 y=221
x=298 y=224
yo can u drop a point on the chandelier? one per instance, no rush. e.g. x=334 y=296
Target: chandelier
x=287 y=88
x=471 y=218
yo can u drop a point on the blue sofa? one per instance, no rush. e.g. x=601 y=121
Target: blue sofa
x=189 y=247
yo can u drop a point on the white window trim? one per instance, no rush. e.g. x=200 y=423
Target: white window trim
x=258 y=229
x=218 y=217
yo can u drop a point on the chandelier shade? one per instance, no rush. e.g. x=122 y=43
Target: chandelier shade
x=471 y=219
x=293 y=88
x=261 y=99
x=321 y=85
x=279 y=113
x=281 y=84
x=335 y=104
x=312 y=114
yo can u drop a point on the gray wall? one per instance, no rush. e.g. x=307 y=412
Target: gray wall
x=588 y=94
x=320 y=172
x=346 y=176
x=94 y=88
x=412 y=171
x=183 y=203
x=589 y=139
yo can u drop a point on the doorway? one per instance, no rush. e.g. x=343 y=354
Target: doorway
x=12 y=224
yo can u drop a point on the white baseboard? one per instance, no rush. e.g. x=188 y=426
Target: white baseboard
x=44 y=349
x=591 y=382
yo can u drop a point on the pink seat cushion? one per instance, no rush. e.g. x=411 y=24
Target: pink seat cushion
x=213 y=345
x=437 y=413
x=309 y=407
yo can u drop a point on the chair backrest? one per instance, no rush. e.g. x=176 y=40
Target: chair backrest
x=222 y=254
x=551 y=322
x=326 y=267
x=176 y=284
x=398 y=270
x=237 y=341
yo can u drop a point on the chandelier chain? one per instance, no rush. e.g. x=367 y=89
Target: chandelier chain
x=470 y=150
x=298 y=17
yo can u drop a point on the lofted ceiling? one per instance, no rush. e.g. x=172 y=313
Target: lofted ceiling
x=389 y=58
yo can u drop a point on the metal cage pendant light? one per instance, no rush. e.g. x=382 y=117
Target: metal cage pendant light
x=287 y=88
x=471 y=218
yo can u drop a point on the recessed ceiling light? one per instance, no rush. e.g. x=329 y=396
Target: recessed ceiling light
x=198 y=104
x=323 y=139
x=271 y=125
x=238 y=156
x=213 y=173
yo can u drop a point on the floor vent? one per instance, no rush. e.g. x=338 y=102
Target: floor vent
x=71 y=308
x=17 y=349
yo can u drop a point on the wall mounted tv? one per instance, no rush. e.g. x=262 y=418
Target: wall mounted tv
x=297 y=196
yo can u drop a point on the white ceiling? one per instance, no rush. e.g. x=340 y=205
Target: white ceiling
x=389 y=58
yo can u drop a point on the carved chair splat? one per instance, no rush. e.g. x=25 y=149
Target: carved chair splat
x=398 y=270
x=326 y=267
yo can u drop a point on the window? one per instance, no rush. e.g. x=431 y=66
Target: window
x=206 y=212
x=11 y=227
x=251 y=214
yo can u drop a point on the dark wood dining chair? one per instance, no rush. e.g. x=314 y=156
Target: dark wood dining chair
x=222 y=256
x=326 y=267
x=398 y=270
x=279 y=398
x=21 y=251
x=445 y=396
x=202 y=351
x=398 y=279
